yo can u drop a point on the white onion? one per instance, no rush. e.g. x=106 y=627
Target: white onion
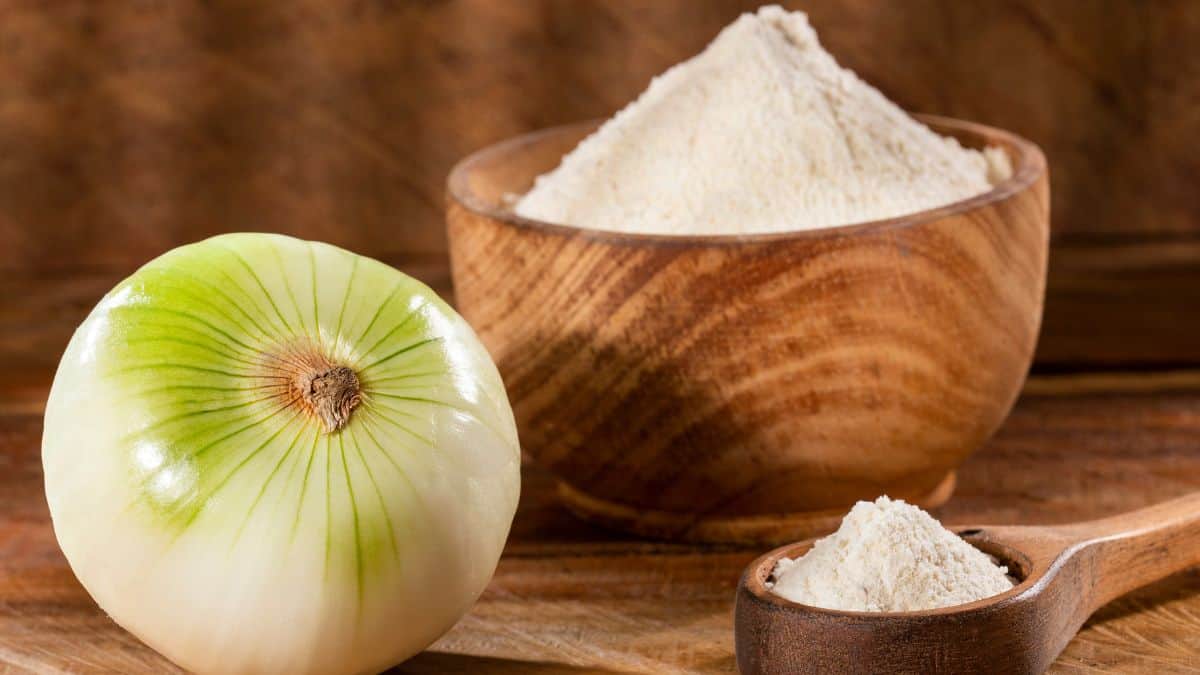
x=265 y=455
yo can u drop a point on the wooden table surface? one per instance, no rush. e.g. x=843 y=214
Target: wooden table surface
x=570 y=598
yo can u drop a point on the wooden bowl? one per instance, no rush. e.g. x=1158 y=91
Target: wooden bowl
x=752 y=388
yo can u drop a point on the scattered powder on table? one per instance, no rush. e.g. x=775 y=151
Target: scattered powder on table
x=761 y=132
x=889 y=556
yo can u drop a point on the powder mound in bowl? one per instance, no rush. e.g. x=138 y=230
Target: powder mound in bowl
x=889 y=556
x=761 y=132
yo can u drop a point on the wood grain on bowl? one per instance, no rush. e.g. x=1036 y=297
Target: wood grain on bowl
x=746 y=388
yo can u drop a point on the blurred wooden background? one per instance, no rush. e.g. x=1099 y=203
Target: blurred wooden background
x=127 y=128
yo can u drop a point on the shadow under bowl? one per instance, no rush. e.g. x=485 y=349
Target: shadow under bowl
x=751 y=388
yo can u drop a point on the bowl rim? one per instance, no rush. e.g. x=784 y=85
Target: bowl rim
x=1029 y=165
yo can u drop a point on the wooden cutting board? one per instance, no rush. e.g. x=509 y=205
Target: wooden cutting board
x=568 y=598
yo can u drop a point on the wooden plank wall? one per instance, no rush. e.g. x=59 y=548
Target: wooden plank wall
x=127 y=128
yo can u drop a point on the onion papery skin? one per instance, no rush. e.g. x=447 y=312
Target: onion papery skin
x=219 y=520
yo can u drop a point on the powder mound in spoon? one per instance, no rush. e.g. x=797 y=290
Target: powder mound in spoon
x=761 y=132
x=889 y=556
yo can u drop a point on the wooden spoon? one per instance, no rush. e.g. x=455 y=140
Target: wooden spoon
x=1065 y=573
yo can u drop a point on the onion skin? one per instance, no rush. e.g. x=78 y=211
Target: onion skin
x=232 y=528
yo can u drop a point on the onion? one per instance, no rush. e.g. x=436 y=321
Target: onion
x=268 y=455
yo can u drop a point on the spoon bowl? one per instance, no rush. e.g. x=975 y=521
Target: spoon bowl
x=1064 y=573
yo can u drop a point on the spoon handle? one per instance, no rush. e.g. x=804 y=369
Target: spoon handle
x=1136 y=548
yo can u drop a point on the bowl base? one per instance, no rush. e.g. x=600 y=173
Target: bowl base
x=759 y=530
